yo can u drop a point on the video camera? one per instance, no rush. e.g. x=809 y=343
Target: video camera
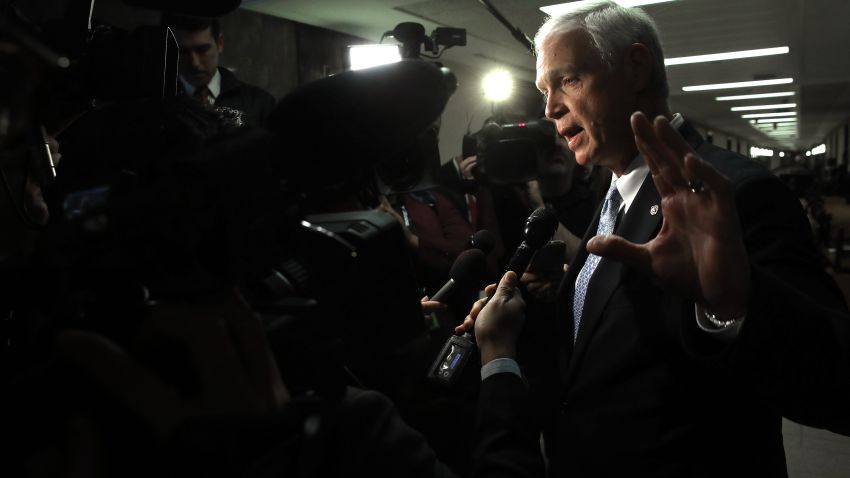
x=412 y=37
x=509 y=153
x=417 y=166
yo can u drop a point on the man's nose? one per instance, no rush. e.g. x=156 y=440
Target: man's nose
x=555 y=106
x=195 y=60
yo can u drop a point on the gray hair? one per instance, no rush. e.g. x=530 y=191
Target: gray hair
x=612 y=28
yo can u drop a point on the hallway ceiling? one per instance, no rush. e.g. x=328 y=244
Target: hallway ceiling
x=815 y=30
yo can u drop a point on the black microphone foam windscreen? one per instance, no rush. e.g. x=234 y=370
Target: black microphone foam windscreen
x=484 y=240
x=469 y=264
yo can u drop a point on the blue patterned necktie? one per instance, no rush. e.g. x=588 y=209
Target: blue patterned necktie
x=606 y=226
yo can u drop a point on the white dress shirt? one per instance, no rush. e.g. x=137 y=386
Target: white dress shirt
x=214 y=86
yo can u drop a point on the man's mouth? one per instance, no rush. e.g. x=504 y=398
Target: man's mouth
x=572 y=135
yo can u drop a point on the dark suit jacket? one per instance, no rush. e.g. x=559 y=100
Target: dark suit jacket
x=367 y=437
x=257 y=104
x=644 y=392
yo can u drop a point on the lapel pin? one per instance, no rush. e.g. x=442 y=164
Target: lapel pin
x=654 y=209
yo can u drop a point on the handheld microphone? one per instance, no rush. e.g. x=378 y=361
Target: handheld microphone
x=483 y=240
x=449 y=365
x=539 y=229
x=469 y=266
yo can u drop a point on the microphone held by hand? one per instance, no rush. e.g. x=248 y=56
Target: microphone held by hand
x=450 y=363
x=469 y=266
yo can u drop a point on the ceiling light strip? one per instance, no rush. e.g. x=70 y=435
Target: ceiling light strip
x=769 y=115
x=740 y=84
x=777 y=120
x=732 y=55
x=562 y=8
x=779 y=94
x=764 y=107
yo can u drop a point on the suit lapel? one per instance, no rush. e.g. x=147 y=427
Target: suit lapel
x=639 y=225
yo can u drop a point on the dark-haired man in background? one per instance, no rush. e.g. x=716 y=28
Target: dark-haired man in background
x=201 y=42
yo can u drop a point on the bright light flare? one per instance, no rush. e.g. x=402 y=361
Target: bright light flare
x=367 y=56
x=498 y=85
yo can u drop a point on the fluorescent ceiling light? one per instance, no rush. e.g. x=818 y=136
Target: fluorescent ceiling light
x=367 y=56
x=778 y=120
x=769 y=127
x=764 y=107
x=770 y=122
x=756 y=96
x=740 y=84
x=755 y=152
x=562 y=8
x=732 y=55
x=769 y=115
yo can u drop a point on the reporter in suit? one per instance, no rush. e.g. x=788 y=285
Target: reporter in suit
x=699 y=315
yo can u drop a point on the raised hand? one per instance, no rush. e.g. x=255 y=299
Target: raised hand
x=699 y=251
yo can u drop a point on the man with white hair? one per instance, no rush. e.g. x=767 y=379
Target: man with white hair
x=699 y=314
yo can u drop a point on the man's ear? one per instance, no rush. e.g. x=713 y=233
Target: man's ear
x=639 y=62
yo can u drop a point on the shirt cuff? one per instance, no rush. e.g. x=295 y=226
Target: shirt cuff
x=500 y=365
x=724 y=334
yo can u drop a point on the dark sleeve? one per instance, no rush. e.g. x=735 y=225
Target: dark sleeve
x=507 y=442
x=793 y=349
x=369 y=438
x=361 y=434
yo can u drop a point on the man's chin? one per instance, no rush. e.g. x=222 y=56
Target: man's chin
x=582 y=158
x=197 y=80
